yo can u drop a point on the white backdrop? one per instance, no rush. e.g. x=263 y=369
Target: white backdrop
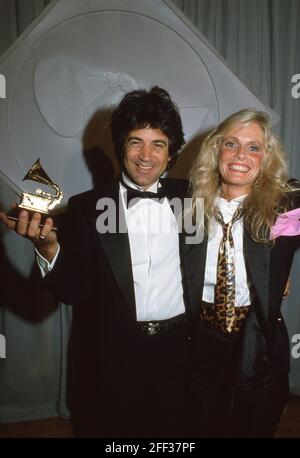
x=63 y=75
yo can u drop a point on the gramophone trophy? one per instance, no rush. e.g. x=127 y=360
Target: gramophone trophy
x=40 y=202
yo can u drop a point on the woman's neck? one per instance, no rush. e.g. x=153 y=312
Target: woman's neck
x=232 y=192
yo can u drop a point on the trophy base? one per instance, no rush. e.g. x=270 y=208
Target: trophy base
x=14 y=215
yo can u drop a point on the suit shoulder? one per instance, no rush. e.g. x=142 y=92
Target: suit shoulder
x=181 y=185
x=85 y=202
x=83 y=197
x=293 y=197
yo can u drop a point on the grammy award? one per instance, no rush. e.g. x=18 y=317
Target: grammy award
x=40 y=202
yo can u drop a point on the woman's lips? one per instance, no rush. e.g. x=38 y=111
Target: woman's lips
x=239 y=168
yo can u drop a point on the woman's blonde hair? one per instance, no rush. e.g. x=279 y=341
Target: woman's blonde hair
x=262 y=204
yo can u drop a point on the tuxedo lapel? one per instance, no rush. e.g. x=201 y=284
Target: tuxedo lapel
x=194 y=260
x=254 y=345
x=117 y=250
x=171 y=188
x=257 y=256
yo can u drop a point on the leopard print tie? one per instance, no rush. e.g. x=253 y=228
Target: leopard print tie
x=225 y=285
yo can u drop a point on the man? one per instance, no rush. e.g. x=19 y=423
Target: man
x=129 y=339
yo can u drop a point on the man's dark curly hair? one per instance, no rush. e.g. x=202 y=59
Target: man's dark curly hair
x=139 y=109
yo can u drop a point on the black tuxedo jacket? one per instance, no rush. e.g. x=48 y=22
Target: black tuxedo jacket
x=264 y=339
x=93 y=273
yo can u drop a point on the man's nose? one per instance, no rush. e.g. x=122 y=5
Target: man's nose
x=145 y=152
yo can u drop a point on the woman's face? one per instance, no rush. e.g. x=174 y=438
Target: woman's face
x=240 y=157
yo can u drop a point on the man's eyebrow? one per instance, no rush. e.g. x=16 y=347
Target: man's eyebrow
x=158 y=140
x=133 y=137
x=164 y=142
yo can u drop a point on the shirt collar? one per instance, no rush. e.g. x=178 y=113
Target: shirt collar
x=228 y=208
x=153 y=187
x=237 y=200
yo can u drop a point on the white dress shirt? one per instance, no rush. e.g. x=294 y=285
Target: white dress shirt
x=154 y=248
x=242 y=291
x=44 y=265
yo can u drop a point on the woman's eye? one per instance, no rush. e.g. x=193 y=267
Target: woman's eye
x=230 y=144
x=254 y=148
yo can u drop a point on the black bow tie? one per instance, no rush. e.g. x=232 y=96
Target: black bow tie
x=137 y=194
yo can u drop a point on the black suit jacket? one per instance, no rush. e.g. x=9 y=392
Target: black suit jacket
x=94 y=274
x=264 y=339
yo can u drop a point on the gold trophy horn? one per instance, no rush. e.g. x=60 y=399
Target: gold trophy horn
x=40 y=202
x=37 y=173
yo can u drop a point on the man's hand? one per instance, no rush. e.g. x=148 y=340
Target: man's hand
x=44 y=238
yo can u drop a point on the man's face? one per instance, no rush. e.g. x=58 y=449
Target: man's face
x=146 y=156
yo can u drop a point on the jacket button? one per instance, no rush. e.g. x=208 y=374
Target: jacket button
x=279 y=319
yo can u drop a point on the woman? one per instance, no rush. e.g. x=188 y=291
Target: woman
x=238 y=276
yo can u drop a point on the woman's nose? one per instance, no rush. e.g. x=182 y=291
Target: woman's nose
x=241 y=153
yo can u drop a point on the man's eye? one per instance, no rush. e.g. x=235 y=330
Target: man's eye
x=158 y=145
x=134 y=143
